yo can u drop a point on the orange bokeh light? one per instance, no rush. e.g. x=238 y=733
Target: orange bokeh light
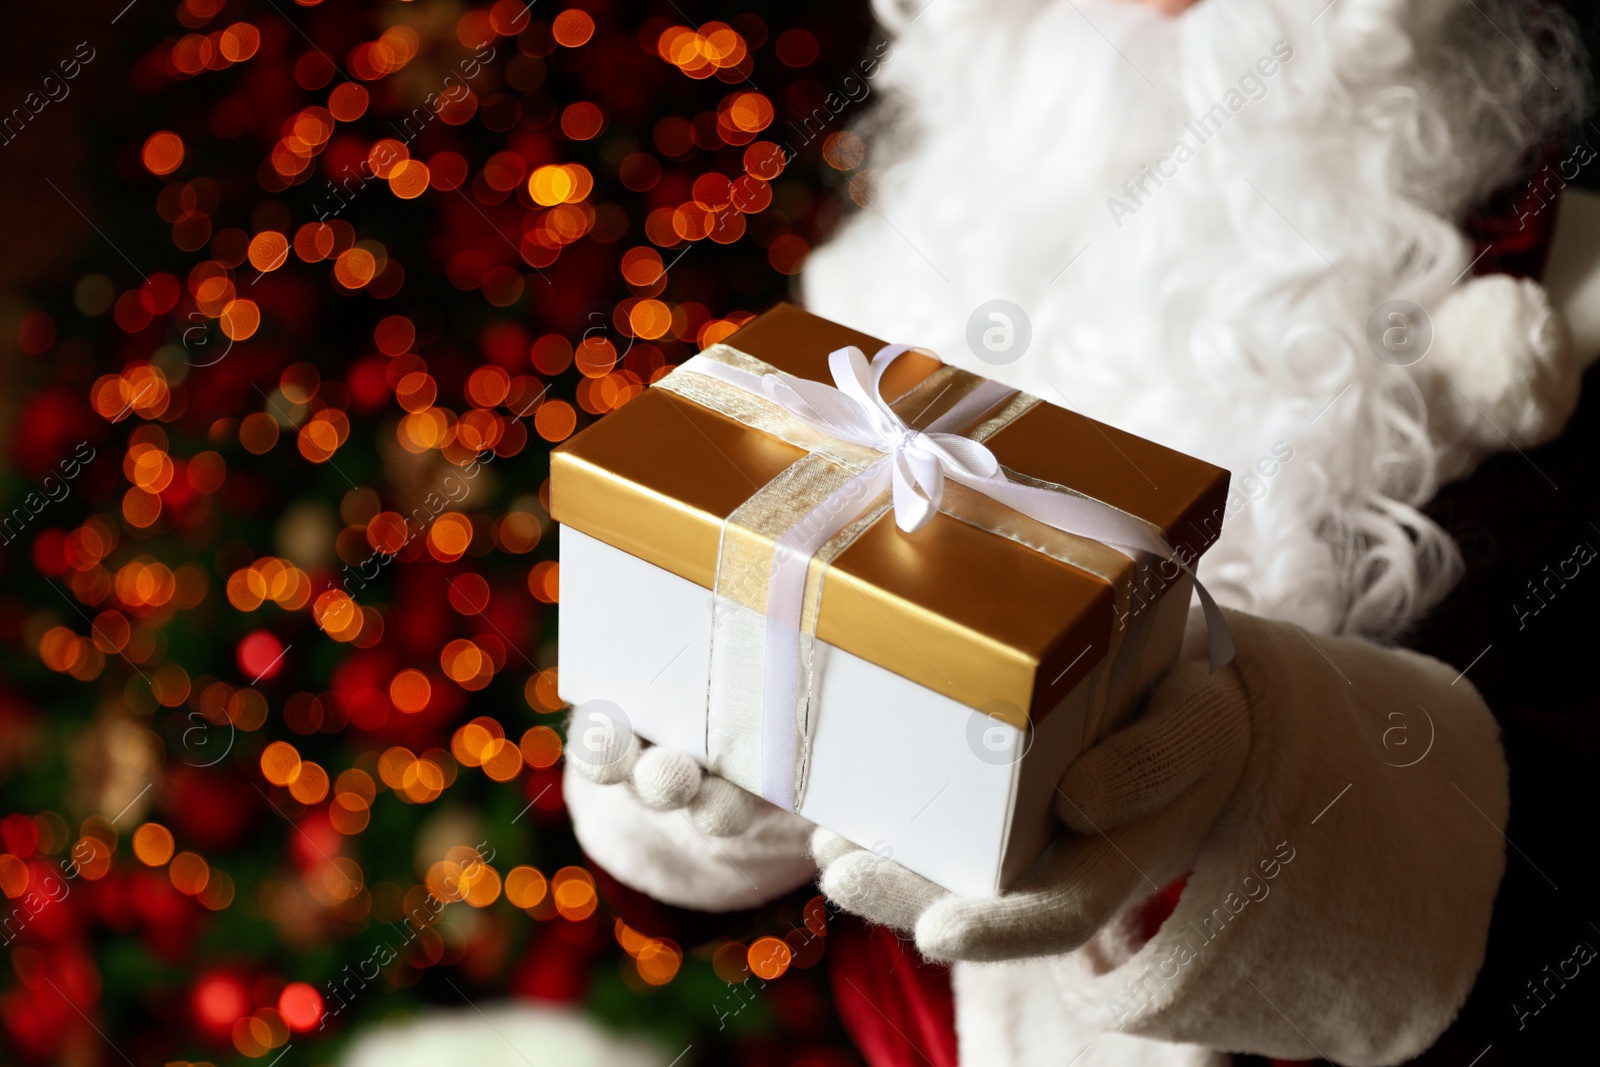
x=280 y=763
x=541 y=747
x=269 y=250
x=525 y=887
x=240 y=319
x=450 y=536
x=355 y=267
x=658 y=961
x=409 y=179
x=410 y=690
x=582 y=121
x=769 y=957
x=347 y=102
x=573 y=890
x=152 y=844
x=555 y=420
x=239 y=42
x=501 y=760
x=163 y=153
x=572 y=28
x=394 y=334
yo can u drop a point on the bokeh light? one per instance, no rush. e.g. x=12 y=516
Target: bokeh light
x=341 y=277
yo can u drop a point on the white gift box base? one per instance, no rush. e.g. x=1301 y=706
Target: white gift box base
x=895 y=767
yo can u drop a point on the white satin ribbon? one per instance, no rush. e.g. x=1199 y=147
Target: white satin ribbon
x=914 y=468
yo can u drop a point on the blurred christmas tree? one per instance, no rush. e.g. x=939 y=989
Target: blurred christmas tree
x=299 y=297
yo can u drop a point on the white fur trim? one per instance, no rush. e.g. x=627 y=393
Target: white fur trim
x=501 y=1035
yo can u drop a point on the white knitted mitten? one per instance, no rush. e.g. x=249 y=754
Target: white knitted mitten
x=664 y=780
x=659 y=824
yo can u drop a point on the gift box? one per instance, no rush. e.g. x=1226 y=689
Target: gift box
x=843 y=608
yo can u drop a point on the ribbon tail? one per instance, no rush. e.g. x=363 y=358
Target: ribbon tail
x=1217 y=632
x=1085 y=517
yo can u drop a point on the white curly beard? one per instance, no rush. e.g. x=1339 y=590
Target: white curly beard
x=1223 y=308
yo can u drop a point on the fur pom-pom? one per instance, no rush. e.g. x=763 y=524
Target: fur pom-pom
x=1505 y=373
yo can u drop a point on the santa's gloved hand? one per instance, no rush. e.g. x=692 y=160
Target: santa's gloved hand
x=660 y=824
x=1139 y=804
x=663 y=779
x=1221 y=777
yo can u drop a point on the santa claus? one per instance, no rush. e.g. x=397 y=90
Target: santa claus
x=1236 y=228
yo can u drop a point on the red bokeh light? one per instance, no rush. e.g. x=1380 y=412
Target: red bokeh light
x=300 y=1005
x=218 y=1000
x=260 y=655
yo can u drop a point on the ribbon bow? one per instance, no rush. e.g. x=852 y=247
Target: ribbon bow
x=856 y=411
